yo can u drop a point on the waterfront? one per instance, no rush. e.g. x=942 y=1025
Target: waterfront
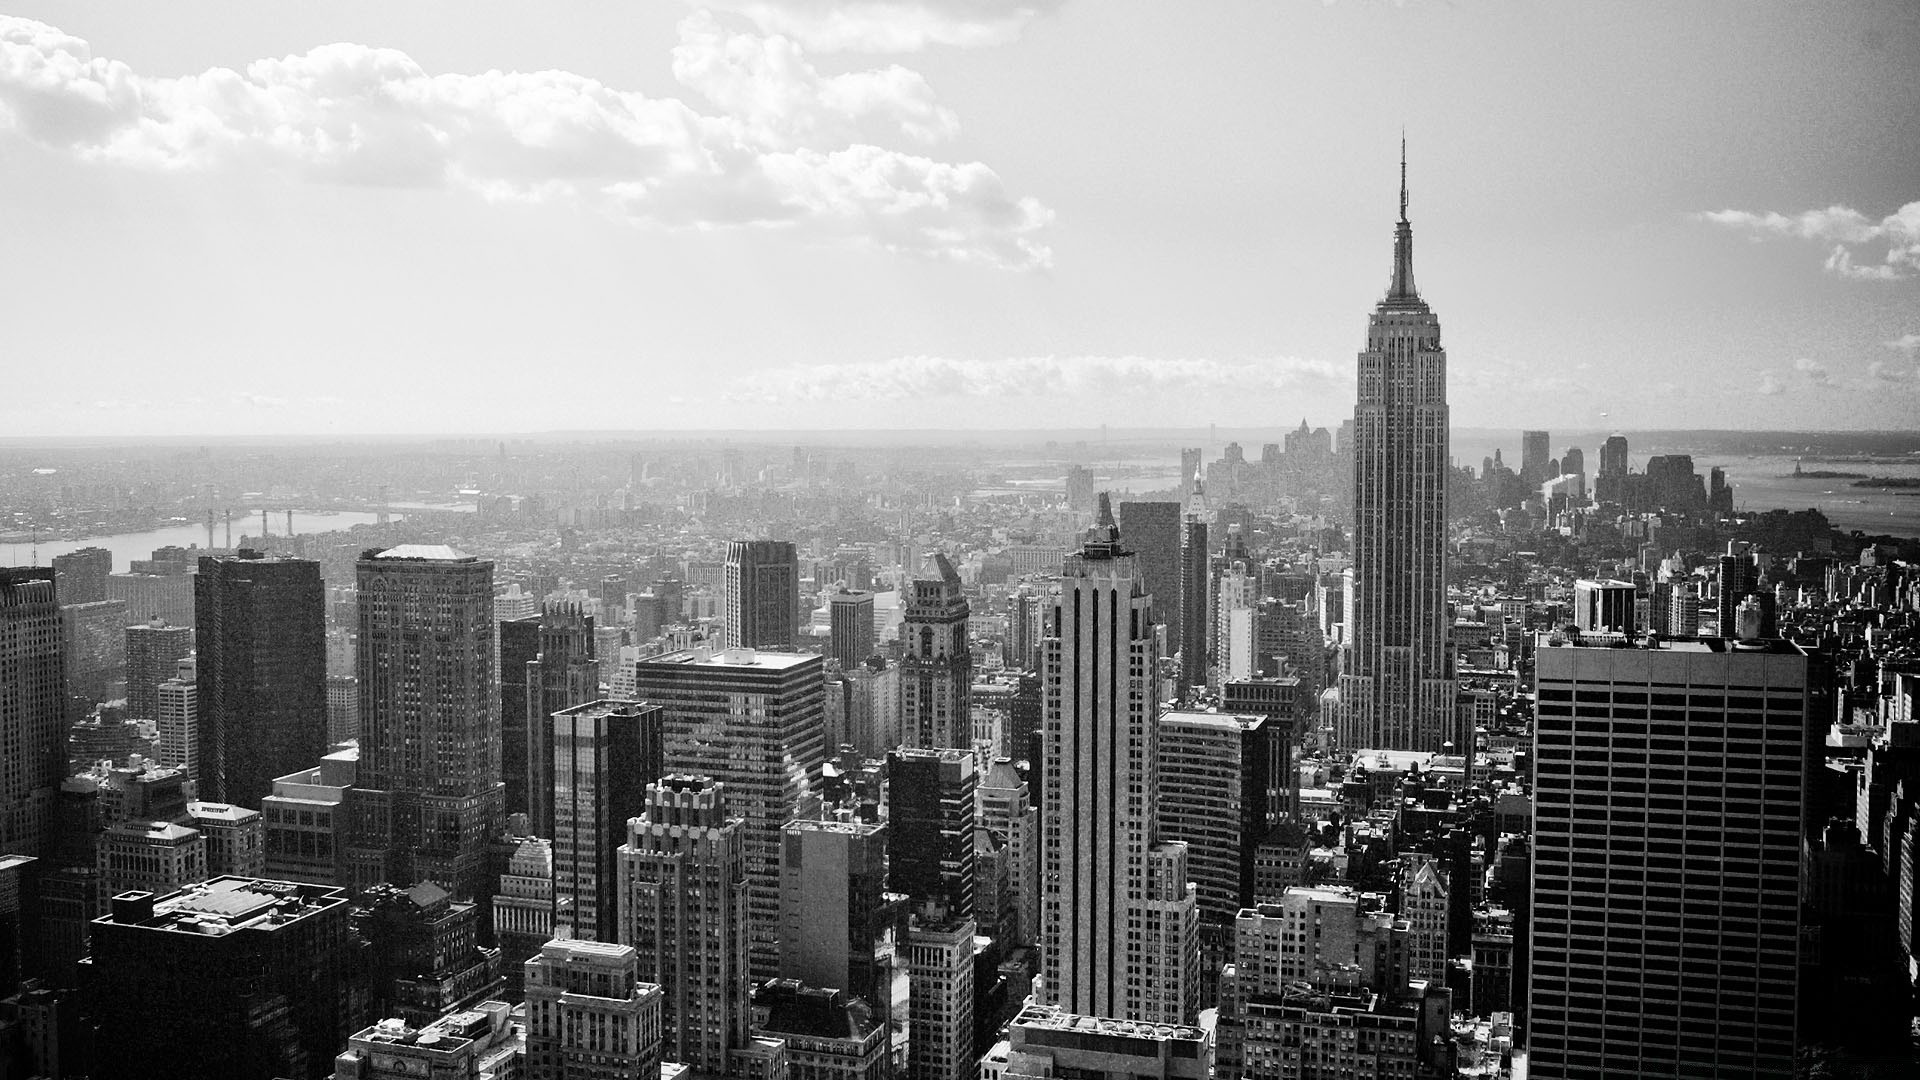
x=140 y=545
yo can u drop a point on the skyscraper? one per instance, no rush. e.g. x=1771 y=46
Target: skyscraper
x=428 y=797
x=1153 y=531
x=1665 y=907
x=930 y=808
x=1118 y=918
x=1196 y=587
x=261 y=626
x=1399 y=694
x=519 y=646
x=589 y=1017
x=851 y=626
x=1536 y=448
x=683 y=907
x=753 y=722
x=605 y=753
x=154 y=650
x=1007 y=810
x=80 y=577
x=936 y=673
x=761 y=594
x=32 y=709
x=836 y=916
x=563 y=675
x=177 y=719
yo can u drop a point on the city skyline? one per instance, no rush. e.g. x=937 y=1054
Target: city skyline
x=922 y=212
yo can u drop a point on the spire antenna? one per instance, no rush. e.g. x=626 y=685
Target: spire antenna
x=1403 y=174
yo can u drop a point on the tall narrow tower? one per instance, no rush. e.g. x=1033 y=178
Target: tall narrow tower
x=1398 y=694
x=936 y=674
x=1119 y=930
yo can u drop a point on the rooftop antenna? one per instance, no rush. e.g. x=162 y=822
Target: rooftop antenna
x=229 y=528
x=1403 y=174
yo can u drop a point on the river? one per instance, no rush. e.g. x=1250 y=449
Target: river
x=140 y=545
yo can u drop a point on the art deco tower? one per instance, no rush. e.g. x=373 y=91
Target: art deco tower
x=1119 y=930
x=1397 y=693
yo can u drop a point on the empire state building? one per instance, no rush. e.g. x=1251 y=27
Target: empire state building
x=1397 y=692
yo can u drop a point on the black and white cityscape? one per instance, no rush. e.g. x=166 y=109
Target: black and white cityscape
x=626 y=543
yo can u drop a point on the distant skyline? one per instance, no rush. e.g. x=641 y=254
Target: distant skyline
x=266 y=218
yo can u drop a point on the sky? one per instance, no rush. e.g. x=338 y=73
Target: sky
x=259 y=217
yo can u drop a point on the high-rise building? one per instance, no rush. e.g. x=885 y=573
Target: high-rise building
x=1423 y=902
x=523 y=909
x=94 y=643
x=306 y=821
x=343 y=708
x=605 y=753
x=830 y=1034
x=683 y=907
x=1739 y=578
x=230 y=979
x=589 y=1017
x=1196 y=588
x=1604 y=607
x=481 y=1042
x=80 y=577
x=426 y=683
x=1666 y=860
x=940 y=996
x=1399 y=693
x=931 y=811
x=851 y=626
x=32 y=710
x=760 y=598
x=1007 y=811
x=236 y=839
x=936 y=672
x=519 y=646
x=261 y=630
x=1535 y=451
x=838 y=924
x=751 y=721
x=564 y=674
x=154 y=651
x=423 y=952
x=1045 y=1042
x=1153 y=530
x=158 y=857
x=1118 y=918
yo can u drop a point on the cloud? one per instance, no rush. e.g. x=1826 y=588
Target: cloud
x=1907 y=343
x=921 y=377
x=1846 y=230
x=1893 y=373
x=1770 y=385
x=788 y=148
x=890 y=26
x=1814 y=372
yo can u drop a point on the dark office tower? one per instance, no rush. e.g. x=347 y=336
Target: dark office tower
x=1398 y=695
x=761 y=594
x=230 y=979
x=1574 y=461
x=851 y=626
x=564 y=674
x=154 y=651
x=261 y=634
x=32 y=709
x=1153 y=530
x=80 y=577
x=753 y=722
x=1739 y=579
x=1666 y=861
x=683 y=907
x=428 y=797
x=519 y=646
x=1196 y=581
x=1535 y=450
x=1023 y=716
x=1118 y=929
x=936 y=672
x=836 y=916
x=605 y=753
x=930 y=807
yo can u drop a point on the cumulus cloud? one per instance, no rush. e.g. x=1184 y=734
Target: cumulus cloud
x=1770 y=385
x=1883 y=371
x=1847 y=231
x=1906 y=343
x=890 y=26
x=1018 y=378
x=787 y=147
x=1813 y=371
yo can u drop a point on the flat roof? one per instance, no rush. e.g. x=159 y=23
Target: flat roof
x=734 y=658
x=1225 y=721
x=219 y=811
x=423 y=551
x=1048 y=1017
x=1758 y=647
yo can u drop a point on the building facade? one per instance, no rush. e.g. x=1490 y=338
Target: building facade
x=760 y=598
x=589 y=1017
x=936 y=670
x=931 y=812
x=32 y=710
x=605 y=753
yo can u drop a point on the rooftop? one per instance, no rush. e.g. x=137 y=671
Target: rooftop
x=733 y=658
x=223 y=905
x=1222 y=721
x=424 y=551
x=1046 y=1017
x=219 y=811
x=1759 y=646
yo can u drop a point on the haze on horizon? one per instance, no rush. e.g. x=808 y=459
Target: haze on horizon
x=267 y=218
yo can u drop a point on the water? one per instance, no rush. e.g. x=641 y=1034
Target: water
x=140 y=545
x=1766 y=482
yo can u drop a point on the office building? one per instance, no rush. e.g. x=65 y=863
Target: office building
x=167 y=594
x=32 y=710
x=1153 y=530
x=94 y=647
x=1399 y=692
x=1196 y=589
x=1536 y=451
x=565 y=673
x=423 y=953
x=157 y=857
x=829 y=1033
x=851 y=626
x=931 y=812
x=261 y=639
x=1045 y=1042
x=1424 y=889
x=426 y=656
x=1119 y=924
x=230 y=979
x=519 y=646
x=481 y=1043
x=605 y=753
x=306 y=820
x=589 y=1017
x=523 y=909
x=235 y=837
x=1007 y=812
x=753 y=722
x=80 y=577
x=683 y=907
x=760 y=596
x=154 y=651
x=1604 y=607
x=936 y=670
x=939 y=957
x=838 y=923
x=1319 y=1033
x=1667 y=823
x=343 y=709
